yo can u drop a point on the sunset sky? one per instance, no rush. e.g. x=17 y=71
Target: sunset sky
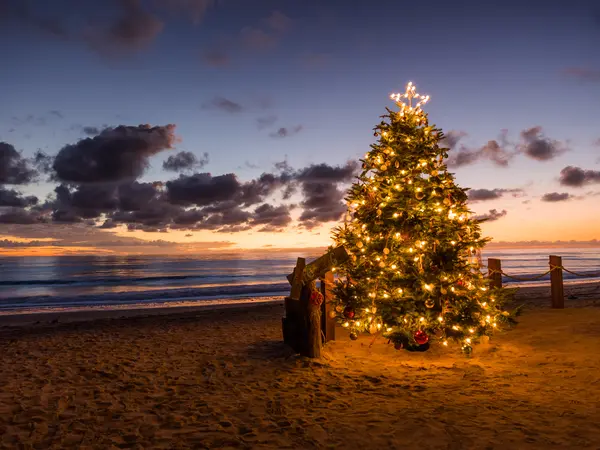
x=271 y=103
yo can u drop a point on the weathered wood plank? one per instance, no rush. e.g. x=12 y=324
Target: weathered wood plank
x=556 y=282
x=322 y=264
x=296 y=279
x=495 y=272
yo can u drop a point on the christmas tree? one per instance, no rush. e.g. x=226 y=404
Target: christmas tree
x=412 y=242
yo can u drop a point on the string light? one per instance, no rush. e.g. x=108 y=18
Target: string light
x=395 y=175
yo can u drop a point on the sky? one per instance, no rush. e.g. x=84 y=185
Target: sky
x=188 y=126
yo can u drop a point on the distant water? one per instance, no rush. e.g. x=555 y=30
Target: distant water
x=49 y=283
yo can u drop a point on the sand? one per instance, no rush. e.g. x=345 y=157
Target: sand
x=223 y=379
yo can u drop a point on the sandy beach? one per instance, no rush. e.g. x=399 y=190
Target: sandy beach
x=223 y=379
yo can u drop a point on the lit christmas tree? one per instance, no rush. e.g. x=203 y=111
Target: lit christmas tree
x=412 y=242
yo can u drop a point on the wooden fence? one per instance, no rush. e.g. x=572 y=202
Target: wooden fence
x=306 y=325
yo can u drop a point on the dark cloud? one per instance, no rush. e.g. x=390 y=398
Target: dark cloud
x=266 y=121
x=578 y=177
x=183 y=161
x=323 y=202
x=477 y=195
x=225 y=217
x=583 y=74
x=134 y=30
x=492 y=215
x=19 y=216
x=556 y=197
x=198 y=201
x=536 y=146
x=42 y=162
x=452 y=138
x=274 y=217
x=255 y=191
x=224 y=104
x=116 y=154
x=284 y=132
x=322 y=196
x=91 y=131
x=283 y=167
x=463 y=157
x=10 y=197
x=496 y=151
x=134 y=202
x=318 y=173
x=14 y=169
x=83 y=203
x=203 y=189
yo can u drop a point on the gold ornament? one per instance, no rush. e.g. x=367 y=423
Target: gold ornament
x=397 y=164
x=419 y=195
x=429 y=303
x=381 y=264
x=443 y=291
x=332 y=314
x=383 y=168
x=386 y=251
x=379 y=212
x=359 y=244
x=339 y=308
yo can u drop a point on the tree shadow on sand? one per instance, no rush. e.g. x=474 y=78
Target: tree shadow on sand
x=270 y=350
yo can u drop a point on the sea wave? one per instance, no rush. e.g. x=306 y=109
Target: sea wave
x=113 y=298
x=118 y=280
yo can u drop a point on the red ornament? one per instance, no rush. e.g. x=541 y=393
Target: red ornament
x=316 y=298
x=421 y=337
x=460 y=283
x=349 y=312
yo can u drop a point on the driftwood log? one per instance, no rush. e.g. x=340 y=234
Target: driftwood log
x=299 y=329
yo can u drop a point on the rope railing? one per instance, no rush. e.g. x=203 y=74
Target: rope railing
x=537 y=277
x=518 y=278
x=495 y=274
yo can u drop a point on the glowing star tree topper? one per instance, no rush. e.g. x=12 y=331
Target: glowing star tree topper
x=411 y=239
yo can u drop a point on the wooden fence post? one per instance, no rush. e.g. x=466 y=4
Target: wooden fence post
x=297 y=279
x=293 y=322
x=556 y=282
x=495 y=272
x=327 y=323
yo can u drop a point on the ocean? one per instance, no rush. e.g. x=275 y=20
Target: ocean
x=31 y=284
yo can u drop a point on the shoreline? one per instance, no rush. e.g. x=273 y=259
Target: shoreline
x=583 y=294
x=85 y=314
